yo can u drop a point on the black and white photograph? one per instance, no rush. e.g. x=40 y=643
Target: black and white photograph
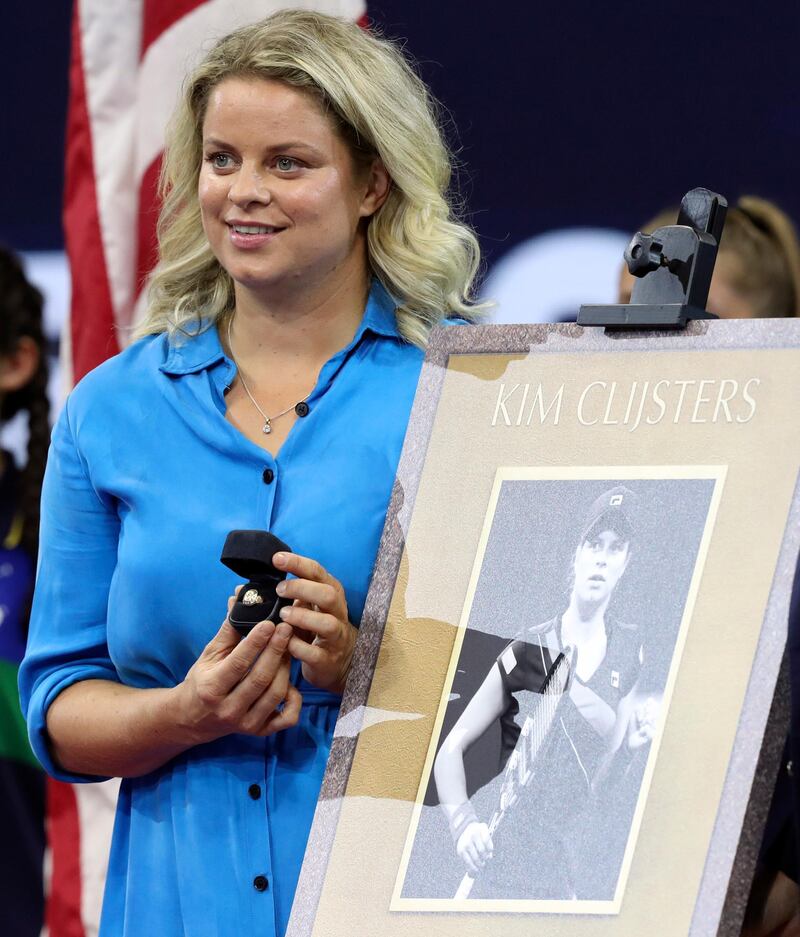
x=558 y=688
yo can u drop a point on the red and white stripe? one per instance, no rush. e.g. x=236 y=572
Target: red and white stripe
x=128 y=60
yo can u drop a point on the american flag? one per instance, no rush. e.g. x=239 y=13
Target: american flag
x=127 y=62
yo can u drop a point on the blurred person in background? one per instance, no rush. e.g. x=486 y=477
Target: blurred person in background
x=757 y=273
x=756 y=276
x=23 y=388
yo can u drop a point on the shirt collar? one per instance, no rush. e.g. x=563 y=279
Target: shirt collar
x=380 y=315
x=201 y=349
x=193 y=351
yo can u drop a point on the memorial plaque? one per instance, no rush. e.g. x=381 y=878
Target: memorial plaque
x=567 y=706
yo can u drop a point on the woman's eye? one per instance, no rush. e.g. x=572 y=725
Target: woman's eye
x=220 y=160
x=286 y=163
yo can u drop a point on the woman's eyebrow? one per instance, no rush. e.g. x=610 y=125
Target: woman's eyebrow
x=215 y=141
x=294 y=145
x=272 y=148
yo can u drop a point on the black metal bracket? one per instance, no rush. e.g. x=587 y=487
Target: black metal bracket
x=673 y=267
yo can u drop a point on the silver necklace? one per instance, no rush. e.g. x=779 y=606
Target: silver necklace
x=266 y=429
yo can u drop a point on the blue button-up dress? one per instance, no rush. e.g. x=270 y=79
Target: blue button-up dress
x=144 y=481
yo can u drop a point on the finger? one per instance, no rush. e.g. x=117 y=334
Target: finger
x=303 y=567
x=223 y=641
x=233 y=668
x=259 y=677
x=286 y=717
x=234 y=597
x=226 y=638
x=269 y=675
x=483 y=842
x=306 y=652
x=472 y=849
x=323 y=594
x=467 y=859
x=268 y=702
x=321 y=624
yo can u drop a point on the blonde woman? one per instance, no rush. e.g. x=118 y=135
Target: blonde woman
x=757 y=273
x=307 y=246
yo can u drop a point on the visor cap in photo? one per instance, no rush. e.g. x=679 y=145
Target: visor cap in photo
x=615 y=509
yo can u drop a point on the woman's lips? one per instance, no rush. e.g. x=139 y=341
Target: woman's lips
x=250 y=237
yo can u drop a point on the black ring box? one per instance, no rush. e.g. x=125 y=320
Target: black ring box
x=249 y=554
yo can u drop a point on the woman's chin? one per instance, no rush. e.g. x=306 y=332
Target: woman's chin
x=593 y=594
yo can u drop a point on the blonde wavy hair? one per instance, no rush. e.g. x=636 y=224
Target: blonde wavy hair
x=424 y=255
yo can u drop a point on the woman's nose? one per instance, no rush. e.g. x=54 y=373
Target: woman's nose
x=248 y=185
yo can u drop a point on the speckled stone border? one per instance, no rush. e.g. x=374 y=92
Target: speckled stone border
x=761 y=733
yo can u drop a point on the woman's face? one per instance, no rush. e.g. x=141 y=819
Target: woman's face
x=280 y=197
x=600 y=562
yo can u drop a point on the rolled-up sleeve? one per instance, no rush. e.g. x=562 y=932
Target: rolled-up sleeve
x=77 y=556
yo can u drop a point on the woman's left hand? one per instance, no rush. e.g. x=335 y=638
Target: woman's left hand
x=642 y=725
x=323 y=639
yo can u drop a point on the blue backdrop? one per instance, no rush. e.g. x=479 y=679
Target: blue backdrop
x=566 y=114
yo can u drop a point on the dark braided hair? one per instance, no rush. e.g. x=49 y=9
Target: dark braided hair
x=21 y=315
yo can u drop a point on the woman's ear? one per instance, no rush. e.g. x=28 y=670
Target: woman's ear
x=19 y=366
x=379 y=183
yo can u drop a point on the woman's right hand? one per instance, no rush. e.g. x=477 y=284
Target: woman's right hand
x=238 y=684
x=475 y=847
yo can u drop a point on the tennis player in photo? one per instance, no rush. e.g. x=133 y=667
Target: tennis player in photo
x=559 y=685
x=586 y=723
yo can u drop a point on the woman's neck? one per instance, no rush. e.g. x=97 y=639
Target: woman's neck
x=583 y=619
x=306 y=325
x=583 y=628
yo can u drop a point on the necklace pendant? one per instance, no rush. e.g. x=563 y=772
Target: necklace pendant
x=266 y=429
